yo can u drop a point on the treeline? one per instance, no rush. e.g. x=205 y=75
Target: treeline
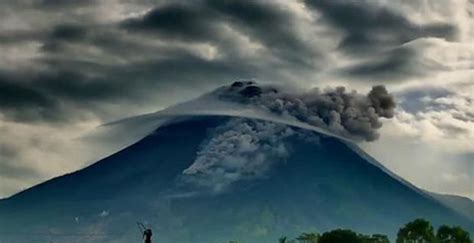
x=416 y=231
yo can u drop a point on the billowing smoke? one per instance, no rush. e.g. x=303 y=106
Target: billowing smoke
x=349 y=114
x=241 y=149
x=246 y=149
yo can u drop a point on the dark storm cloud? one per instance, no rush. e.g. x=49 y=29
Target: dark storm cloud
x=394 y=65
x=70 y=32
x=397 y=64
x=63 y=34
x=270 y=25
x=85 y=64
x=18 y=101
x=73 y=85
x=176 y=21
x=204 y=23
x=52 y=95
x=187 y=69
x=368 y=28
x=62 y=3
x=68 y=79
x=377 y=32
x=16 y=37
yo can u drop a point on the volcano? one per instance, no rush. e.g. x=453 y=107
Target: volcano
x=319 y=183
x=216 y=178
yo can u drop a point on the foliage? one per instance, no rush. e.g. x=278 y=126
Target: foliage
x=375 y=238
x=308 y=238
x=419 y=231
x=455 y=234
x=340 y=236
x=416 y=231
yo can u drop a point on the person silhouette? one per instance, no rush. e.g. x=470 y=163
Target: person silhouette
x=147 y=235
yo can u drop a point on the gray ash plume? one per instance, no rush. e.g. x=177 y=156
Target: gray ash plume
x=349 y=114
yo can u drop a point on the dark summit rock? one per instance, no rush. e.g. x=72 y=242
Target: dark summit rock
x=240 y=84
x=251 y=91
x=237 y=84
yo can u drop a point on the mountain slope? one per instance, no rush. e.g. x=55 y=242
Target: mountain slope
x=302 y=181
x=463 y=205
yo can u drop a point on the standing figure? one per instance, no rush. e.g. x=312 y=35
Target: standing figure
x=147 y=235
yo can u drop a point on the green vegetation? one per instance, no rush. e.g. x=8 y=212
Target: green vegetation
x=421 y=231
x=452 y=234
x=416 y=231
x=308 y=238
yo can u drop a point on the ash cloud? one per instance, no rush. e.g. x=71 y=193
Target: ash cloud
x=349 y=114
x=241 y=149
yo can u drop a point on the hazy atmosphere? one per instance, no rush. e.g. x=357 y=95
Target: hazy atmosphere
x=67 y=67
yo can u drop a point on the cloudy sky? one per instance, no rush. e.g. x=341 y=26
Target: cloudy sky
x=67 y=66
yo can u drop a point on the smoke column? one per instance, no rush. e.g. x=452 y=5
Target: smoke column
x=349 y=114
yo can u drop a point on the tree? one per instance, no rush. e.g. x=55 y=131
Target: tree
x=417 y=231
x=379 y=238
x=340 y=236
x=375 y=238
x=454 y=234
x=308 y=238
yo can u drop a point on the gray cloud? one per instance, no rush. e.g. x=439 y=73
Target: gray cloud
x=368 y=27
x=413 y=100
x=19 y=101
x=62 y=3
x=254 y=18
x=395 y=64
x=189 y=23
x=13 y=171
x=10 y=169
x=442 y=100
x=69 y=32
x=371 y=30
x=48 y=96
x=453 y=130
x=92 y=65
x=89 y=67
x=205 y=22
x=466 y=117
x=64 y=33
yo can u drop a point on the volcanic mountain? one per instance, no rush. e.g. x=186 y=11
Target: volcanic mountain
x=227 y=174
